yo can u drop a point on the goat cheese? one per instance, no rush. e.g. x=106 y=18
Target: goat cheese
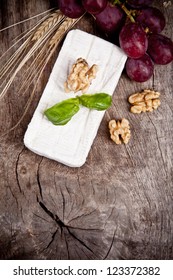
x=71 y=143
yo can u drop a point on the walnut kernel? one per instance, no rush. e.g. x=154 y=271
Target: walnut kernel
x=120 y=131
x=80 y=76
x=146 y=101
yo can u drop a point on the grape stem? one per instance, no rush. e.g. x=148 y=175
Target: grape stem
x=128 y=13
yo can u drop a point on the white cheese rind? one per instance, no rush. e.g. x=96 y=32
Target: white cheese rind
x=70 y=144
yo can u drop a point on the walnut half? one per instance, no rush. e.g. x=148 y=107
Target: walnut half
x=146 y=101
x=120 y=131
x=80 y=76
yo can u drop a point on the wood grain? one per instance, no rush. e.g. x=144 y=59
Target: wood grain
x=119 y=205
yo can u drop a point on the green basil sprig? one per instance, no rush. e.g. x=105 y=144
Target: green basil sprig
x=62 y=112
x=97 y=101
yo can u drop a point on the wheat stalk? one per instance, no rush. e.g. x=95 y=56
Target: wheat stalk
x=14 y=59
x=22 y=21
x=42 y=41
x=38 y=38
x=47 y=24
x=64 y=27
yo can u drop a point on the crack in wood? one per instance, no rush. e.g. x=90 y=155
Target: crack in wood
x=110 y=247
x=14 y=196
x=63 y=198
x=17 y=175
x=68 y=253
x=63 y=203
x=53 y=237
x=38 y=180
x=81 y=249
x=62 y=225
x=54 y=217
x=79 y=240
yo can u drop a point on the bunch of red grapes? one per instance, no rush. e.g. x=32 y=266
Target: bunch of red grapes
x=138 y=26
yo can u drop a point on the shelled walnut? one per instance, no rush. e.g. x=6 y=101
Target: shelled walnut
x=146 y=101
x=120 y=131
x=80 y=76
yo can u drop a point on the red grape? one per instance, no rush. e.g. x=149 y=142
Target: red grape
x=94 y=6
x=133 y=40
x=160 y=48
x=152 y=18
x=141 y=69
x=71 y=8
x=139 y=3
x=111 y=19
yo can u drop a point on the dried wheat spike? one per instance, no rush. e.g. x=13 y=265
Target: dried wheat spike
x=63 y=28
x=47 y=24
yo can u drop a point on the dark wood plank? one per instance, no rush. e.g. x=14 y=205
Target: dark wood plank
x=119 y=205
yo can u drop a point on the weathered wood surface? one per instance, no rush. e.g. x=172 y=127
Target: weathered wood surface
x=119 y=205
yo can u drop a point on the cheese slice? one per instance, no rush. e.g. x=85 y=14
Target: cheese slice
x=70 y=144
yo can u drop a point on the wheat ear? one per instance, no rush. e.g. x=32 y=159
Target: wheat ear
x=38 y=38
x=45 y=38
x=64 y=27
x=47 y=24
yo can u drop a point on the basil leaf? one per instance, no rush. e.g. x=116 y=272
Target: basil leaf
x=62 y=112
x=98 y=101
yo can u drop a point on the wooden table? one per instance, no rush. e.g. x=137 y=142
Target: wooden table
x=119 y=205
